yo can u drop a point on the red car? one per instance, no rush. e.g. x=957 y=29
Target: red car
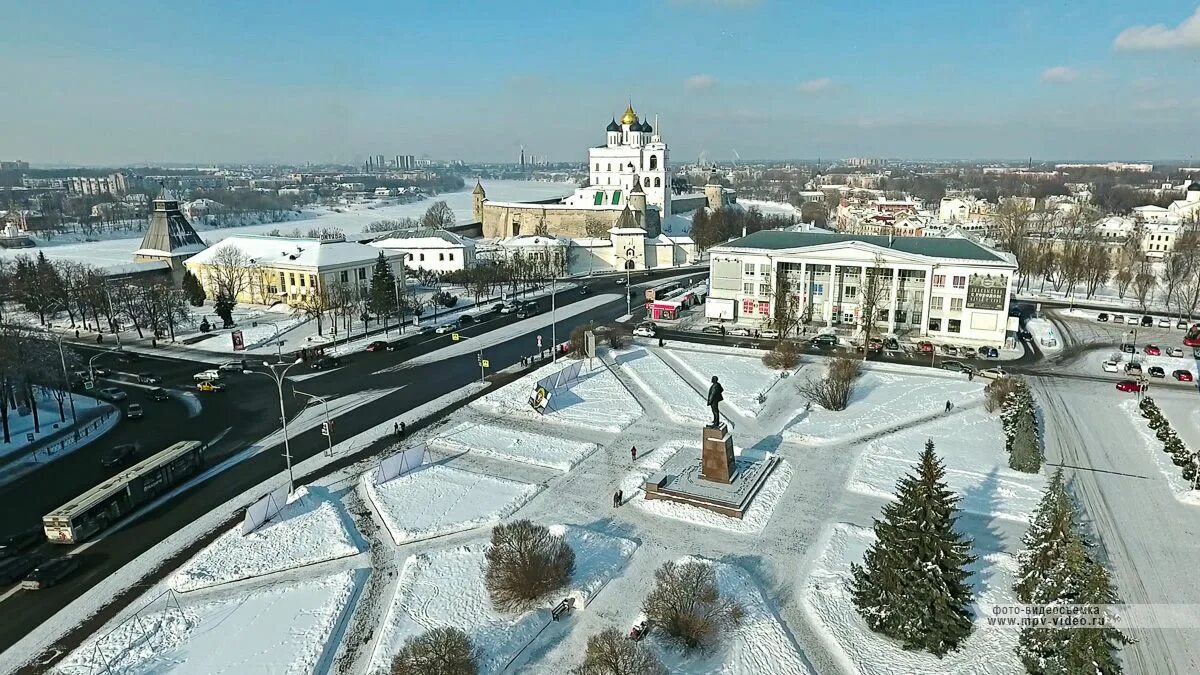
x=377 y=346
x=1127 y=385
x=1152 y=350
x=1182 y=375
x=925 y=347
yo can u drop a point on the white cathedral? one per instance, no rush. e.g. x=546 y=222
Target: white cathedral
x=634 y=151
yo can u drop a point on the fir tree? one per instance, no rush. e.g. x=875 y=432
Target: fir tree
x=382 y=297
x=1043 y=542
x=193 y=291
x=912 y=585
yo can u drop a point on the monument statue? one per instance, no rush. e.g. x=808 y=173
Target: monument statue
x=714 y=399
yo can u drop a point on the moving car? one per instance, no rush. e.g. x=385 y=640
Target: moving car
x=447 y=328
x=1127 y=385
x=211 y=386
x=989 y=352
x=1182 y=375
x=1152 y=350
x=1175 y=351
x=1156 y=371
x=953 y=365
x=14 y=568
x=620 y=281
x=1133 y=367
x=206 y=375
x=397 y=345
x=377 y=346
x=113 y=394
x=119 y=455
x=50 y=572
x=583 y=290
x=129 y=357
x=506 y=308
x=1109 y=366
x=159 y=394
x=14 y=544
x=326 y=362
x=1102 y=316
x=824 y=340
x=993 y=373
x=101 y=371
x=231 y=367
x=527 y=310
x=148 y=378
x=499 y=307
x=1164 y=323
x=134 y=411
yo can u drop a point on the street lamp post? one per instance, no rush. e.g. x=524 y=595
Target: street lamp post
x=328 y=421
x=278 y=342
x=66 y=378
x=278 y=377
x=553 y=323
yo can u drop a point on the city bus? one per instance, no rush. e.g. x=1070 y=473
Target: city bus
x=1192 y=337
x=104 y=504
x=660 y=291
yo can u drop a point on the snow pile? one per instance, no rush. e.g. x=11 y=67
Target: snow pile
x=597 y=401
x=1045 y=334
x=752 y=522
x=683 y=403
x=743 y=379
x=759 y=644
x=881 y=400
x=1179 y=487
x=513 y=444
x=445 y=588
x=436 y=500
x=310 y=529
x=971 y=444
x=287 y=628
x=988 y=650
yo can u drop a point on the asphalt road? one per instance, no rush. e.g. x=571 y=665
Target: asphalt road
x=252 y=402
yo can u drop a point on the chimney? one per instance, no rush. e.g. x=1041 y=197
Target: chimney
x=743 y=230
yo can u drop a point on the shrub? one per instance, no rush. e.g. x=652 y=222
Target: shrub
x=785 y=356
x=687 y=605
x=611 y=653
x=617 y=334
x=833 y=391
x=525 y=562
x=441 y=651
x=998 y=390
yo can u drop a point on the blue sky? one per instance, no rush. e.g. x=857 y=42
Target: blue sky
x=226 y=81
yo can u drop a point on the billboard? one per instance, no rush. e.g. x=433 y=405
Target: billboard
x=399 y=464
x=264 y=509
x=239 y=341
x=987 y=291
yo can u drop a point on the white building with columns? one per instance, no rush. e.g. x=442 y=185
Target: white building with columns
x=942 y=288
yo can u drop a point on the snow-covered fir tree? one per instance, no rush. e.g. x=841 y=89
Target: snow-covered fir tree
x=912 y=585
x=1043 y=542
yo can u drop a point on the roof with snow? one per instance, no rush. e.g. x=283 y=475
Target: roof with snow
x=420 y=238
x=170 y=234
x=934 y=247
x=293 y=251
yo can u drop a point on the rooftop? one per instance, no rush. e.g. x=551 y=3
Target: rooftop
x=935 y=247
x=292 y=251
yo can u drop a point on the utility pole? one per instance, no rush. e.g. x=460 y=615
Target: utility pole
x=328 y=430
x=278 y=377
x=67 y=379
x=553 y=323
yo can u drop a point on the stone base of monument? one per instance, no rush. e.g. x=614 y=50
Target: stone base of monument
x=680 y=481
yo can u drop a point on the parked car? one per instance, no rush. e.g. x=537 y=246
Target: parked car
x=326 y=362
x=159 y=394
x=1133 y=368
x=989 y=352
x=925 y=347
x=953 y=365
x=644 y=330
x=740 y=332
x=1196 y=352
x=25 y=539
x=1156 y=371
x=1109 y=366
x=1164 y=323
x=1182 y=324
x=50 y=572
x=891 y=344
x=211 y=386
x=134 y=411
x=824 y=340
x=993 y=373
x=969 y=352
x=113 y=394
x=206 y=375
x=1147 y=321
x=1177 y=352
x=711 y=328
x=1127 y=348
x=1127 y=385
x=1182 y=375
x=1102 y=316
x=15 y=568
x=1118 y=318
x=769 y=334
x=119 y=455
x=1152 y=350
x=583 y=290
x=1132 y=321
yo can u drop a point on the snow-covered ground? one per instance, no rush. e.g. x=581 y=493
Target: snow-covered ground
x=292 y=627
x=445 y=588
x=597 y=400
x=517 y=445
x=971 y=444
x=20 y=426
x=684 y=404
x=988 y=650
x=312 y=528
x=1154 y=447
x=744 y=379
x=435 y=500
x=882 y=399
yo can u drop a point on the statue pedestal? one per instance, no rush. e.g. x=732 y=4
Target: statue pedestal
x=716 y=463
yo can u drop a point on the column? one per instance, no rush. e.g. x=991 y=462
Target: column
x=892 y=301
x=928 y=292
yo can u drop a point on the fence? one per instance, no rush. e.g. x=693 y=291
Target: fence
x=148 y=629
x=46 y=454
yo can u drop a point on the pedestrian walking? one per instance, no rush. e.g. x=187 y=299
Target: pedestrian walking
x=403 y=429
x=396 y=429
x=633 y=453
x=948 y=406
x=616 y=498
x=970 y=375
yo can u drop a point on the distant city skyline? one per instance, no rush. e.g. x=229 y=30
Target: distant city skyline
x=225 y=82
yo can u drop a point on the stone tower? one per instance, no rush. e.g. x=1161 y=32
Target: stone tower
x=478 y=196
x=714 y=192
x=170 y=237
x=637 y=201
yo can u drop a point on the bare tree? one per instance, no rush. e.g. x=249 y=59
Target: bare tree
x=686 y=604
x=525 y=562
x=785 y=308
x=611 y=653
x=1144 y=283
x=438 y=216
x=229 y=276
x=784 y=356
x=441 y=651
x=875 y=290
x=833 y=391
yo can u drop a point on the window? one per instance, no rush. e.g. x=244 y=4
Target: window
x=616 y=197
x=764 y=307
x=312 y=280
x=653 y=162
x=764 y=289
x=441 y=257
x=939 y=280
x=747 y=306
x=610 y=166
x=935 y=302
x=953 y=326
x=599 y=199
x=282 y=282
x=960 y=282
x=302 y=281
x=452 y=256
x=409 y=257
x=657 y=182
x=345 y=276
x=935 y=325
x=422 y=259
x=748 y=270
x=646 y=182
x=818 y=289
x=956 y=304
x=597 y=166
x=849 y=292
x=362 y=274
x=748 y=288
x=291 y=278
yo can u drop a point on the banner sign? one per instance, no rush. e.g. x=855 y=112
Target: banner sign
x=987 y=291
x=239 y=342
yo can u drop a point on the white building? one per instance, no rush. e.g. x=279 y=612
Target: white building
x=634 y=149
x=944 y=288
x=435 y=250
x=1186 y=210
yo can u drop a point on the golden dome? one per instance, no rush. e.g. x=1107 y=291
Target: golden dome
x=629 y=117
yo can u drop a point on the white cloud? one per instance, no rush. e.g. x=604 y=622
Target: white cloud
x=1184 y=36
x=1059 y=75
x=816 y=86
x=700 y=82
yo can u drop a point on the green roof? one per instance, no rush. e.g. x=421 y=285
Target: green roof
x=934 y=247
